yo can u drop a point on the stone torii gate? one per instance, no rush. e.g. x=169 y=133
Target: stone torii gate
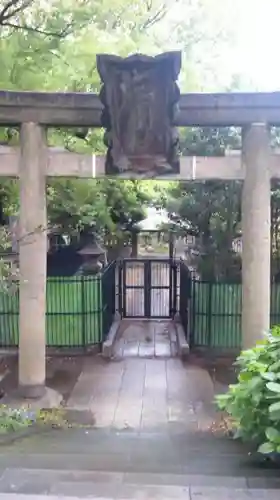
x=33 y=161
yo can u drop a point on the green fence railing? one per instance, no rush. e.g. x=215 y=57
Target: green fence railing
x=216 y=313
x=79 y=311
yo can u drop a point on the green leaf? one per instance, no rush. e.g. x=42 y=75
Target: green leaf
x=275 y=416
x=255 y=382
x=222 y=401
x=269 y=376
x=266 y=448
x=245 y=376
x=273 y=386
x=272 y=434
x=275 y=407
x=275 y=366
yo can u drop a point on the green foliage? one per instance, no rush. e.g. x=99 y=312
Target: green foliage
x=51 y=46
x=106 y=206
x=210 y=141
x=12 y=420
x=210 y=210
x=254 y=402
x=8 y=275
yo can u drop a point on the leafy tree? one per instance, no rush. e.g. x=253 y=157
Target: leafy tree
x=112 y=205
x=51 y=45
x=210 y=210
x=45 y=45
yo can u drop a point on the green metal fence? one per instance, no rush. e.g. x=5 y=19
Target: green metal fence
x=216 y=314
x=80 y=311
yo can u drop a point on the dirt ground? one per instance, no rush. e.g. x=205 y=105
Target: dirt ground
x=62 y=373
x=221 y=368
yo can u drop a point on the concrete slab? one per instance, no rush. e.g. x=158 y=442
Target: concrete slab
x=108 y=345
x=146 y=339
x=183 y=346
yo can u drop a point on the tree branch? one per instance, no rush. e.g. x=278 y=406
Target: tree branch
x=155 y=18
x=25 y=27
x=12 y=8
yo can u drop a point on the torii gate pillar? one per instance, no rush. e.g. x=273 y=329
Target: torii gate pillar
x=256 y=234
x=32 y=260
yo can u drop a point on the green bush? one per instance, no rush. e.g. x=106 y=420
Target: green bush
x=12 y=420
x=254 y=401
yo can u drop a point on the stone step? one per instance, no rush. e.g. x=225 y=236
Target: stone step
x=123 y=486
x=131 y=452
x=103 y=464
x=123 y=441
x=152 y=494
x=160 y=494
x=225 y=465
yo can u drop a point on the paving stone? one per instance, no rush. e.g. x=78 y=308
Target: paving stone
x=140 y=392
x=200 y=493
x=18 y=481
x=88 y=489
x=154 y=467
x=51 y=476
x=261 y=494
x=163 y=349
x=233 y=494
x=29 y=488
x=150 y=492
x=146 y=339
x=131 y=349
x=36 y=496
x=147 y=350
x=185 y=480
x=81 y=462
x=264 y=483
x=155 y=479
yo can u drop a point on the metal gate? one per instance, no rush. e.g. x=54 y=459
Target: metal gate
x=147 y=288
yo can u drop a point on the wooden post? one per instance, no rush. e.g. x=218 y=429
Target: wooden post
x=134 y=244
x=171 y=245
x=256 y=234
x=32 y=259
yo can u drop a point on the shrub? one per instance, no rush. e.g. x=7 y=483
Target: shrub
x=12 y=420
x=254 y=401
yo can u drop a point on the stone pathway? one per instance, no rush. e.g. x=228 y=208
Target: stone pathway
x=152 y=438
x=144 y=394
x=152 y=492
x=145 y=492
x=146 y=339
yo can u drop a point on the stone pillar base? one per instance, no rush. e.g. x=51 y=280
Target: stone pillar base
x=19 y=399
x=31 y=391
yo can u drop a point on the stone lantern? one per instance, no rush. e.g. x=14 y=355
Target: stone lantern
x=92 y=254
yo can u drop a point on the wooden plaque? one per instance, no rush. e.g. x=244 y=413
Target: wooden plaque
x=140 y=97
